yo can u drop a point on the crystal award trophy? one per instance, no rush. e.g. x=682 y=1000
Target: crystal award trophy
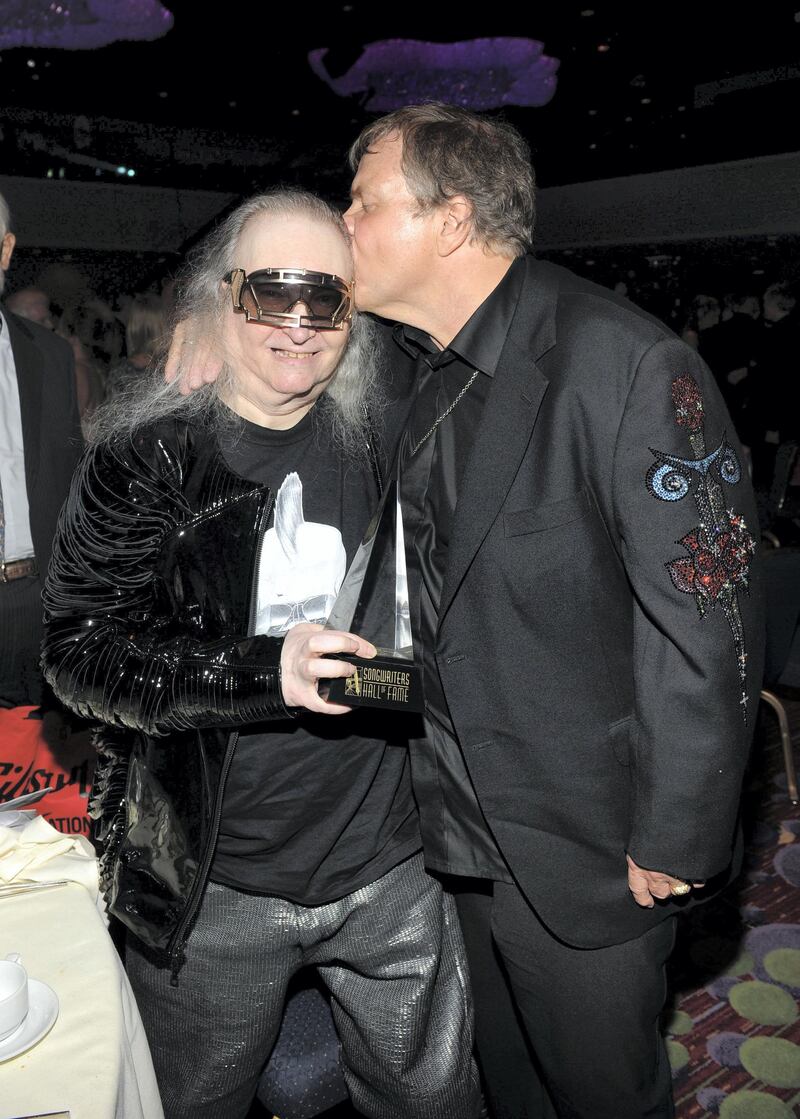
x=373 y=603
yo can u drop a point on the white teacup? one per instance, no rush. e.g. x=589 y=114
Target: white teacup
x=11 y=819
x=13 y=995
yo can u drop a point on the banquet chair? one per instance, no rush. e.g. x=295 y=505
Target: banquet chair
x=780 y=509
x=782 y=582
x=303 y=1077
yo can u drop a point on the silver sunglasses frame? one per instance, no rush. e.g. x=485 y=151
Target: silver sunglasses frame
x=239 y=279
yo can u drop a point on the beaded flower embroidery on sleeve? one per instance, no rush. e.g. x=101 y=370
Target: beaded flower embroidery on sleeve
x=720 y=546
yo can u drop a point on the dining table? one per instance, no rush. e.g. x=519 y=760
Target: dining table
x=92 y=1060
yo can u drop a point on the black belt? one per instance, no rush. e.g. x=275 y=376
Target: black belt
x=18 y=569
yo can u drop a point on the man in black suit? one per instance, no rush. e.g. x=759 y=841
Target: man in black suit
x=40 y=446
x=588 y=608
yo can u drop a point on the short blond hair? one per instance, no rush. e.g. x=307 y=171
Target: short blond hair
x=147 y=326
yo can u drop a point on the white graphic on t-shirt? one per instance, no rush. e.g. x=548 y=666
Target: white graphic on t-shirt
x=302 y=565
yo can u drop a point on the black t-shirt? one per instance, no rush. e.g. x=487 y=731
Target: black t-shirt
x=316 y=807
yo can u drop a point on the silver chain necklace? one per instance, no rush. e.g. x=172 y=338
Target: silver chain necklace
x=443 y=416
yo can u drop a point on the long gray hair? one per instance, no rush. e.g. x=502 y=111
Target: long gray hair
x=344 y=408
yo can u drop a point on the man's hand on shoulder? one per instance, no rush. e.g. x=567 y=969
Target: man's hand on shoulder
x=193 y=360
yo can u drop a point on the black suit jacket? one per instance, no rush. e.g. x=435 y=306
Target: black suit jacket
x=52 y=444
x=599 y=600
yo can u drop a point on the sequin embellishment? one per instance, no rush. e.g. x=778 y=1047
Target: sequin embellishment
x=719 y=547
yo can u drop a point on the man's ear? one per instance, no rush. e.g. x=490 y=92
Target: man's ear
x=456 y=224
x=6 y=250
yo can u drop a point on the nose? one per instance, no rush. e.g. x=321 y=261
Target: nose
x=347 y=218
x=299 y=334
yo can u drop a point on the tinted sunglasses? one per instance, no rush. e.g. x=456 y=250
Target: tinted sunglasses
x=270 y=294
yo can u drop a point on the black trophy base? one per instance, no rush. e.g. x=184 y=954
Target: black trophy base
x=382 y=681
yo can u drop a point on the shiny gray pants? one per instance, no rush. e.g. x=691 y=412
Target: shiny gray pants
x=392 y=957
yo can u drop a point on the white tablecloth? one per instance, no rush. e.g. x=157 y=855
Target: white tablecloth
x=95 y=1062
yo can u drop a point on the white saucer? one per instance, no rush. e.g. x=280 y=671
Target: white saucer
x=16 y=819
x=42 y=1013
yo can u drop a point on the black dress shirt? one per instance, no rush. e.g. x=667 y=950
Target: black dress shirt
x=456 y=837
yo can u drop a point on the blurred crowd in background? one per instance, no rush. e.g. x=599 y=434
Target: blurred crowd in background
x=747 y=333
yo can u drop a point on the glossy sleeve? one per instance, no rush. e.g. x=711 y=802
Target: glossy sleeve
x=111 y=651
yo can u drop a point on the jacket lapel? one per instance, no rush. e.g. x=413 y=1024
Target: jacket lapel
x=28 y=366
x=505 y=429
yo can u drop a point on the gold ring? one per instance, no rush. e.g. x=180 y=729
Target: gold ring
x=680 y=889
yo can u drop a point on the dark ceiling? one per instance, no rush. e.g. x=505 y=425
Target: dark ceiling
x=635 y=89
x=230 y=103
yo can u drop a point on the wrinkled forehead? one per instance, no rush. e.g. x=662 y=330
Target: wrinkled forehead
x=294 y=241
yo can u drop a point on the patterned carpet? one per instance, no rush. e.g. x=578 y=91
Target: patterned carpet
x=733 y=1029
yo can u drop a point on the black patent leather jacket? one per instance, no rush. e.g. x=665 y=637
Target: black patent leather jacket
x=148 y=602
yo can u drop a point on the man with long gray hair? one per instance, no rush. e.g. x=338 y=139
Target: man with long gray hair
x=245 y=835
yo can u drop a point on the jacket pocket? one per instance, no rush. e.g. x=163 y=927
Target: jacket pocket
x=552 y=514
x=620 y=739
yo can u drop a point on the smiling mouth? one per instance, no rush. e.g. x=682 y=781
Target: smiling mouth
x=294 y=355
